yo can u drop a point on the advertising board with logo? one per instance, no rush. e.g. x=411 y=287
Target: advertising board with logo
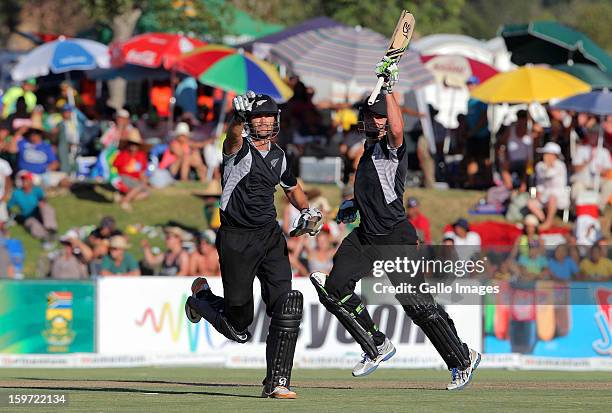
x=52 y=317
x=146 y=315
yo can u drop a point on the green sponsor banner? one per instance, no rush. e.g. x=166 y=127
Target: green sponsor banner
x=47 y=316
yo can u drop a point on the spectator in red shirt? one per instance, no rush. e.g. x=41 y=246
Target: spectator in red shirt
x=418 y=220
x=131 y=164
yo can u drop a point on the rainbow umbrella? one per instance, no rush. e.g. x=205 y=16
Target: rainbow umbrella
x=234 y=70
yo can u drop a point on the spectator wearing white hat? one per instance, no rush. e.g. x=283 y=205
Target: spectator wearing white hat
x=119 y=261
x=119 y=130
x=551 y=184
x=184 y=154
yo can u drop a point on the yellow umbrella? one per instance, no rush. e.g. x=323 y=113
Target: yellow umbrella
x=529 y=84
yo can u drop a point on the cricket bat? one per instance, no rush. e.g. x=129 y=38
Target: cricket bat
x=399 y=43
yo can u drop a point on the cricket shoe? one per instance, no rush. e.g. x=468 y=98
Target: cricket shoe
x=461 y=378
x=279 y=392
x=366 y=366
x=199 y=284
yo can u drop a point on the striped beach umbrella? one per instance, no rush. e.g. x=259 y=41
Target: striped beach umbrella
x=347 y=55
x=234 y=71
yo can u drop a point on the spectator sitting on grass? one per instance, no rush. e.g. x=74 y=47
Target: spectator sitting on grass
x=37 y=156
x=35 y=213
x=71 y=264
x=99 y=237
x=175 y=261
x=527 y=238
x=561 y=265
x=183 y=154
x=418 y=220
x=131 y=164
x=118 y=131
x=205 y=259
x=596 y=267
x=119 y=261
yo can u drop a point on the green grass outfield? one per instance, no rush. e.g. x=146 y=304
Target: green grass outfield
x=388 y=390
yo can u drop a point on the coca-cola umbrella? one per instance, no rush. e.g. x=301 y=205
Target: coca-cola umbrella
x=455 y=70
x=153 y=50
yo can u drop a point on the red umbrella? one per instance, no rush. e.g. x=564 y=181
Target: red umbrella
x=456 y=70
x=153 y=50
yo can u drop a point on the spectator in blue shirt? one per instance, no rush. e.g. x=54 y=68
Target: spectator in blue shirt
x=35 y=155
x=562 y=266
x=35 y=213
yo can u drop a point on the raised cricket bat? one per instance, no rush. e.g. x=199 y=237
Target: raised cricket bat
x=399 y=43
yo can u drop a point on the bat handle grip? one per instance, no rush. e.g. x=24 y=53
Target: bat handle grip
x=376 y=90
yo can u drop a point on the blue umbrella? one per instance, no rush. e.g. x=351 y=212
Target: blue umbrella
x=599 y=103
x=61 y=56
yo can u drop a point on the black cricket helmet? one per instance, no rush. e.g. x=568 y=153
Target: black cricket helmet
x=365 y=123
x=263 y=105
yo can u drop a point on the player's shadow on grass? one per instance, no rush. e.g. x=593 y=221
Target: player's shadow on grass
x=126 y=390
x=182 y=383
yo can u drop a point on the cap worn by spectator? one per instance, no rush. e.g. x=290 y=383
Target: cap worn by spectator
x=22 y=176
x=462 y=222
x=182 y=129
x=412 y=202
x=67 y=108
x=551 y=147
x=134 y=137
x=122 y=113
x=69 y=236
x=473 y=80
x=107 y=222
x=119 y=242
x=208 y=236
x=176 y=231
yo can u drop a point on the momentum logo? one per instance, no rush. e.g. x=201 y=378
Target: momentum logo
x=170 y=319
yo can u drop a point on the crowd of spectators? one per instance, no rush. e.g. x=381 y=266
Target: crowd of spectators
x=534 y=174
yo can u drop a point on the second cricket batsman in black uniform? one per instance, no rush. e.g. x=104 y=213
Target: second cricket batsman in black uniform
x=384 y=233
x=251 y=243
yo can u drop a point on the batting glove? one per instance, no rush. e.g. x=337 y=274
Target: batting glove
x=347 y=212
x=309 y=222
x=388 y=70
x=243 y=104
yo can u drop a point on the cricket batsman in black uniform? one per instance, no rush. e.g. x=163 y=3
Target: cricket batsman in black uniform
x=251 y=243
x=383 y=232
